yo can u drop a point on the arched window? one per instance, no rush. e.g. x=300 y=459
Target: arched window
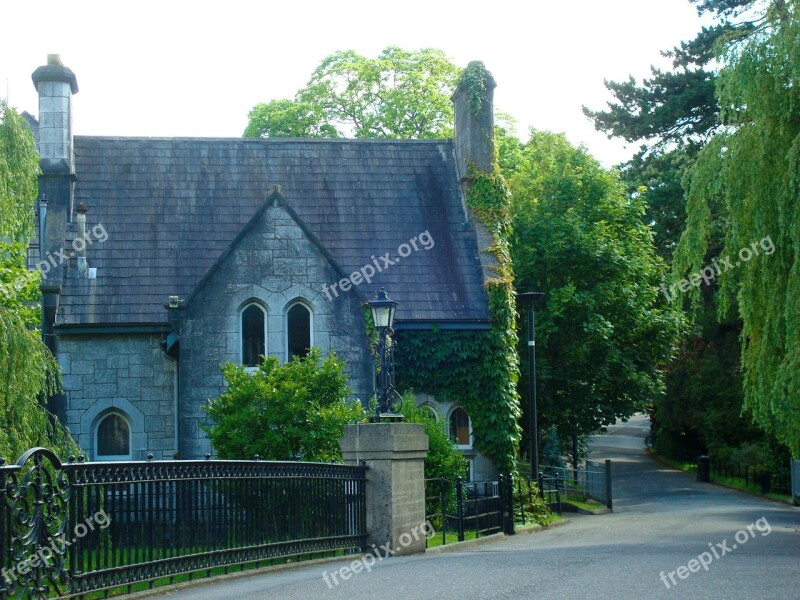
x=431 y=411
x=254 y=336
x=460 y=430
x=298 y=330
x=113 y=438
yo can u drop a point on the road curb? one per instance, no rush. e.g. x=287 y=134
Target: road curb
x=496 y=537
x=465 y=545
x=169 y=588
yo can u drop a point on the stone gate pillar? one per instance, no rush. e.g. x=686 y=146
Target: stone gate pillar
x=395 y=454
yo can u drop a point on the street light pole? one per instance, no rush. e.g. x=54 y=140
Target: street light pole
x=532 y=389
x=531 y=299
x=383 y=310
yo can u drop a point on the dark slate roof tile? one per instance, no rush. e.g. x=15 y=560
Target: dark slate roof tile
x=172 y=206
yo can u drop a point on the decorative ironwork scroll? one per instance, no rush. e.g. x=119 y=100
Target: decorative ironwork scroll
x=34 y=501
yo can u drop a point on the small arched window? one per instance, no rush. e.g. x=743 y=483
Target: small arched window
x=113 y=438
x=253 y=335
x=298 y=330
x=460 y=428
x=431 y=411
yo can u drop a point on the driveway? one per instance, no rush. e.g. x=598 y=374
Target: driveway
x=669 y=537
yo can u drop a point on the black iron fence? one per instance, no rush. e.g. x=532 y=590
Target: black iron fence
x=779 y=482
x=460 y=510
x=69 y=530
x=592 y=483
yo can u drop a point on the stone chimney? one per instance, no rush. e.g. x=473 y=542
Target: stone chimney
x=473 y=104
x=56 y=84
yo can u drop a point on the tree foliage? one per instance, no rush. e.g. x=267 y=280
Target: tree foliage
x=27 y=369
x=606 y=330
x=399 y=94
x=294 y=411
x=19 y=165
x=750 y=173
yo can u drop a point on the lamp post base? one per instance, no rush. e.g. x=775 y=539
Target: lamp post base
x=386 y=417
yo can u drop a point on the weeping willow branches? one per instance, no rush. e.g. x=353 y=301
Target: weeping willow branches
x=751 y=175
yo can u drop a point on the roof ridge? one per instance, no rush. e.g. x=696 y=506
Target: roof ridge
x=267 y=140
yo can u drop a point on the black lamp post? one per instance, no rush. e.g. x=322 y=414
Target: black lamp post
x=532 y=300
x=383 y=309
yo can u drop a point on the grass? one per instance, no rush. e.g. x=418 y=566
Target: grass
x=450 y=538
x=590 y=505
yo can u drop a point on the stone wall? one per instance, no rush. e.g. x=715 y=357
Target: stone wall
x=275 y=264
x=127 y=373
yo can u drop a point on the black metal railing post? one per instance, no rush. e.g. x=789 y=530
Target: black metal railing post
x=501 y=493
x=510 y=504
x=460 y=507
x=609 y=495
x=444 y=510
x=558 y=492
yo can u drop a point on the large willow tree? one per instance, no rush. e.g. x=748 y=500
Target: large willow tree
x=27 y=369
x=750 y=175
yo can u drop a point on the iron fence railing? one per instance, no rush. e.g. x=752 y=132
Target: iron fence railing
x=593 y=482
x=527 y=490
x=68 y=530
x=778 y=482
x=460 y=509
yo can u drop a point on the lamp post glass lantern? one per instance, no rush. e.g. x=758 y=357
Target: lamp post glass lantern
x=383 y=309
x=532 y=300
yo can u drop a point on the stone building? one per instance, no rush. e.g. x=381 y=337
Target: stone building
x=163 y=258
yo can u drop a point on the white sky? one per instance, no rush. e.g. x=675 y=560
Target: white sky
x=196 y=68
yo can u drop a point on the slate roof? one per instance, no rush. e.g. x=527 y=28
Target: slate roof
x=171 y=207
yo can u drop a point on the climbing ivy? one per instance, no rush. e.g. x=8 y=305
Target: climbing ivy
x=473 y=80
x=477 y=369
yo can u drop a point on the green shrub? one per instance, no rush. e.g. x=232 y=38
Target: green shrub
x=444 y=460
x=528 y=503
x=292 y=411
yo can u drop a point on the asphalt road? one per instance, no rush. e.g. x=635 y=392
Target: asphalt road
x=662 y=520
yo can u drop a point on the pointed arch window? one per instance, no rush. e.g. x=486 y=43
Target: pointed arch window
x=460 y=428
x=298 y=330
x=113 y=438
x=254 y=335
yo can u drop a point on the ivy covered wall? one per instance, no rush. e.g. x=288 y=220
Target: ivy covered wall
x=478 y=369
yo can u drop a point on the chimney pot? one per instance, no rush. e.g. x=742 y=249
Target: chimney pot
x=473 y=105
x=55 y=85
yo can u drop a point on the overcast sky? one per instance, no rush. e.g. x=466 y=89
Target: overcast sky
x=176 y=68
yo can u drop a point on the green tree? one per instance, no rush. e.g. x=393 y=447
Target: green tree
x=288 y=118
x=748 y=172
x=399 y=94
x=606 y=330
x=27 y=369
x=673 y=114
x=294 y=411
